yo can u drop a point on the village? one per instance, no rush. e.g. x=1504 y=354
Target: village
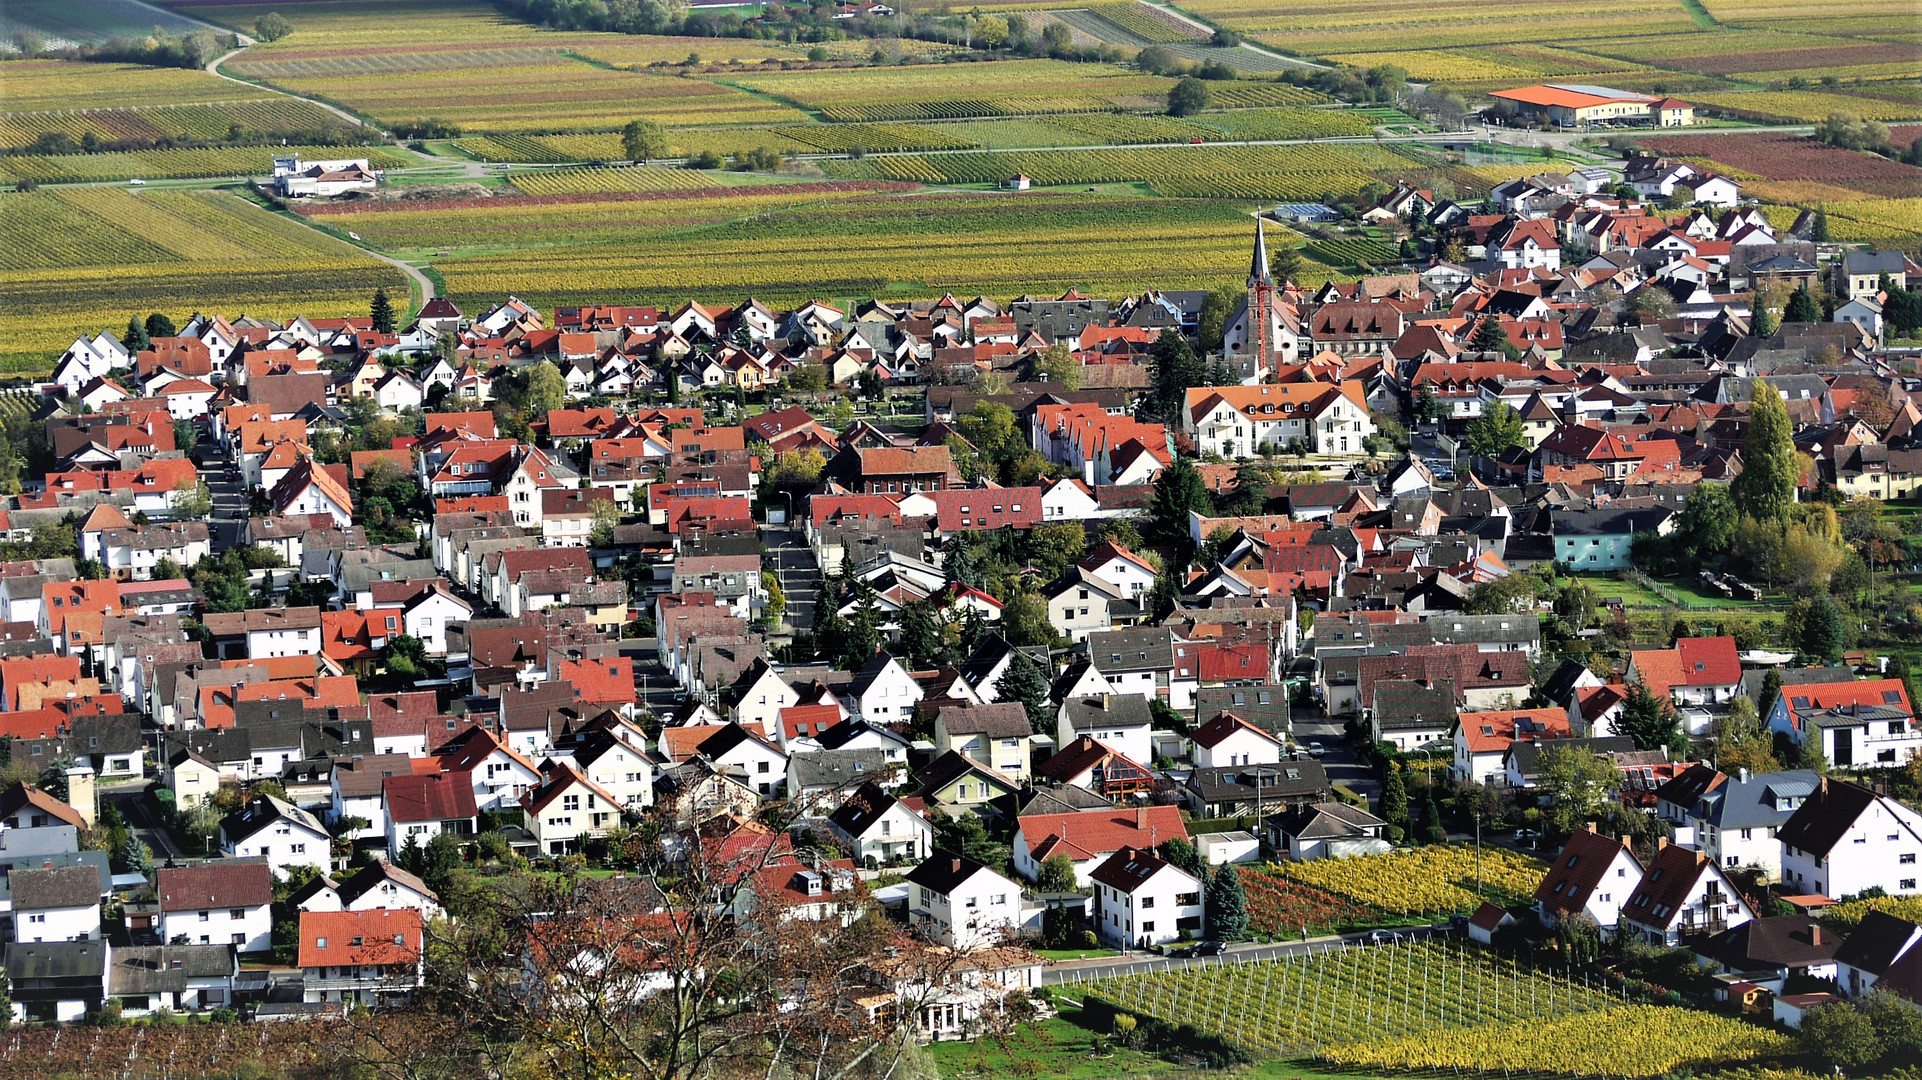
x=1025 y=647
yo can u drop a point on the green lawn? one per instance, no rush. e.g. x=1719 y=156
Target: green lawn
x=1072 y=954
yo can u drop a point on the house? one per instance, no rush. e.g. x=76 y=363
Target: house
x=1682 y=895
x=747 y=757
x=192 y=778
x=882 y=691
x=56 y=980
x=1122 y=722
x=146 y=979
x=569 y=809
x=1589 y=540
x=1593 y=877
x=819 y=891
x=881 y=829
x=1228 y=740
x=1868 y=723
x=55 y=903
x=1087 y=838
x=1093 y=766
x=1482 y=739
x=1845 y=838
x=961 y=903
x=619 y=767
x=1141 y=900
x=420 y=807
x=1860 y=273
x=217 y=903
x=1872 y=949
x=1236 y=790
x=370 y=958
x=955 y=779
x=1704 y=671
x=1738 y=819
x=282 y=834
x=997 y=735
x=1326 y=830
x=379 y=884
x=1240 y=421
x=1770 y=951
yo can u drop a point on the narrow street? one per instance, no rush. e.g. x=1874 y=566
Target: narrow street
x=130 y=799
x=792 y=561
x=653 y=685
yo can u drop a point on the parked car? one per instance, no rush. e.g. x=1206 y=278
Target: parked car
x=1315 y=750
x=1210 y=948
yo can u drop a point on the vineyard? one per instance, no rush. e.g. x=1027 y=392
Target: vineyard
x=1286 y=172
x=1434 y=880
x=632 y=178
x=1805 y=106
x=1353 y=251
x=1781 y=156
x=175 y=164
x=102 y=254
x=1846 y=916
x=1633 y=1040
x=40 y=85
x=933 y=92
x=1308 y=1004
x=1278 y=907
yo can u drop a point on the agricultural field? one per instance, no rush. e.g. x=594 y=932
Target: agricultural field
x=102 y=254
x=1436 y=880
x=1291 y=172
x=1846 y=916
x=1305 y=1005
x=628 y=178
x=1634 y=1040
x=931 y=92
x=1805 y=106
x=1786 y=159
x=177 y=164
x=798 y=241
x=1327 y=27
x=1278 y=907
x=63 y=24
x=128 y=102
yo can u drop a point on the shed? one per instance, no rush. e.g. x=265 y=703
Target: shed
x=1217 y=848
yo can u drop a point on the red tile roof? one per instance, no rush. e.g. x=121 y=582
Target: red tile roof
x=385 y=936
x=1091 y=833
x=1494 y=732
x=432 y=797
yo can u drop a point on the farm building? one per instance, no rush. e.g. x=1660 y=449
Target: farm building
x=1579 y=105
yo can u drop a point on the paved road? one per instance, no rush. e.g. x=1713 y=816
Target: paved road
x=657 y=688
x=792 y=561
x=1085 y=970
x=1342 y=763
x=130 y=799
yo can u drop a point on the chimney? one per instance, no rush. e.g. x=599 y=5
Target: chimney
x=1141 y=817
x=1743 y=773
x=1815 y=933
x=957 y=866
x=1591 y=826
x=1661 y=842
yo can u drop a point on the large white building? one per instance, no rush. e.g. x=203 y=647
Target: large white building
x=1846 y=838
x=1141 y=900
x=961 y=903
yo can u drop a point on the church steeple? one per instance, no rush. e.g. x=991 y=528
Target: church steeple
x=1258 y=268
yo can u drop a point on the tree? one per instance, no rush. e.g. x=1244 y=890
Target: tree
x=272 y=27
x=1489 y=335
x=1216 y=309
x=1819 y=228
x=1179 y=491
x=1497 y=430
x=643 y=140
x=1188 y=97
x=1651 y=303
x=605 y=515
x=1024 y=683
x=1056 y=874
x=1578 y=786
x=1771 y=689
x=405 y=656
x=133 y=856
x=1802 y=307
x=1840 y=1033
x=1649 y=719
x=1227 y=905
x=958 y=560
x=920 y=634
x=1709 y=520
x=159 y=325
x=193 y=500
x=1426 y=406
x=1394 y=797
x=1765 y=489
x=135 y=339
x=1057 y=38
x=989 y=426
x=1284 y=261
x=1577 y=604
x=1823 y=634
x=1058 y=364
x=1741 y=742
x=1024 y=619
x=439 y=859
x=776 y=604
x=1173 y=367
x=381 y=311
x=1182 y=855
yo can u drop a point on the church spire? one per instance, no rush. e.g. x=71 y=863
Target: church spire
x=1258 y=267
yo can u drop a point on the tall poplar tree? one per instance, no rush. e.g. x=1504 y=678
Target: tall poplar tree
x=1766 y=487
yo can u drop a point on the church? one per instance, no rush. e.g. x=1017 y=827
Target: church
x=1254 y=355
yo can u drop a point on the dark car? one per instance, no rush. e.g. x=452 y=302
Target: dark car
x=1208 y=948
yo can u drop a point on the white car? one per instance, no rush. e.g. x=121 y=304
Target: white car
x=136 y=182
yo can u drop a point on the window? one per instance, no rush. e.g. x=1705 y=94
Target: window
x=1907 y=883
x=570 y=802
x=203 y=916
x=1907 y=860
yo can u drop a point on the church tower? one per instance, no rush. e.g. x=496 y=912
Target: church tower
x=1262 y=334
